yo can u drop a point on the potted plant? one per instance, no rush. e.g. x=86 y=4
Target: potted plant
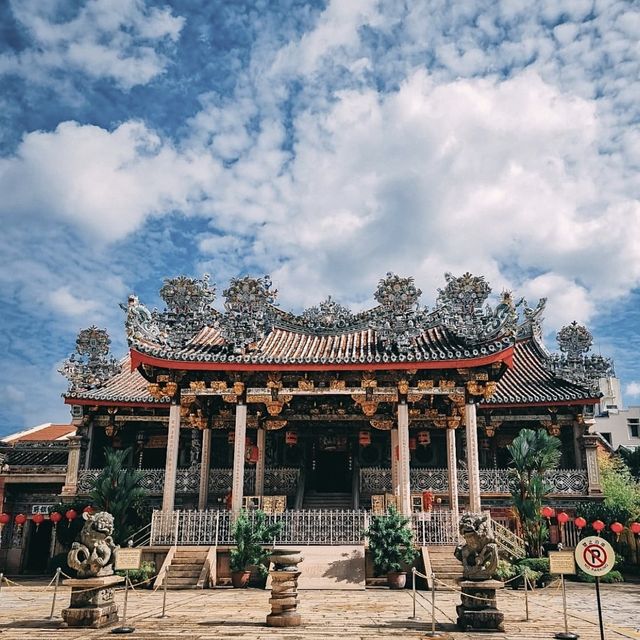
x=391 y=546
x=250 y=533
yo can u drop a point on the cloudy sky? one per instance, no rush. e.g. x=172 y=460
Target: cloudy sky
x=322 y=143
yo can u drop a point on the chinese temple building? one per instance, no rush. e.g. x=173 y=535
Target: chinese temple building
x=331 y=411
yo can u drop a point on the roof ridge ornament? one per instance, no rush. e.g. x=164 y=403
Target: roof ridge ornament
x=531 y=326
x=576 y=365
x=92 y=364
x=247 y=318
x=397 y=320
x=462 y=310
x=328 y=314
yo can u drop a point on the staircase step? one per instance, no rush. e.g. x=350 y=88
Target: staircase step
x=184 y=573
x=171 y=581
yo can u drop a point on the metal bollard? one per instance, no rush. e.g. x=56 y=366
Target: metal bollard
x=413 y=591
x=433 y=604
x=526 y=596
x=164 y=596
x=55 y=592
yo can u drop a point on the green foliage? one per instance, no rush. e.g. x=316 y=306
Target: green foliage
x=390 y=542
x=533 y=453
x=539 y=566
x=137 y=576
x=250 y=533
x=505 y=570
x=118 y=490
x=631 y=457
x=611 y=577
x=620 y=489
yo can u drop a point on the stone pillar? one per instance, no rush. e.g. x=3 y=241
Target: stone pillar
x=261 y=441
x=171 y=466
x=205 y=455
x=590 y=441
x=237 y=486
x=473 y=463
x=70 y=487
x=395 y=483
x=578 y=432
x=452 y=471
x=404 y=473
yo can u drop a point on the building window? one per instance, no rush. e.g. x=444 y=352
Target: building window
x=634 y=427
x=606 y=435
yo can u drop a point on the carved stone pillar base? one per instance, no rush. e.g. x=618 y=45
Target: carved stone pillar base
x=284 y=589
x=478 y=609
x=92 y=602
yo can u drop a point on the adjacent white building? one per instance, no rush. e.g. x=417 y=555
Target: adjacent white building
x=618 y=425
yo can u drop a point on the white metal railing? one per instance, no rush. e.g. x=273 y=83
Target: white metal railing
x=304 y=527
x=508 y=541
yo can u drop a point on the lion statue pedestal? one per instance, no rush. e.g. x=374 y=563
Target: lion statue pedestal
x=92 y=592
x=479 y=557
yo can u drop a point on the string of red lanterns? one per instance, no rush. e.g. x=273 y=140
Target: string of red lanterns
x=597 y=525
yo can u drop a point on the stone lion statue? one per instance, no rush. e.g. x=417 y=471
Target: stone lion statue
x=479 y=553
x=94 y=554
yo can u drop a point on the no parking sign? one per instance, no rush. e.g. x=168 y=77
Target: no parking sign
x=595 y=556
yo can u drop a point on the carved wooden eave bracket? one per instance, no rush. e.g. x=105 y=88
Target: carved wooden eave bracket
x=481 y=389
x=382 y=425
x=274 y=402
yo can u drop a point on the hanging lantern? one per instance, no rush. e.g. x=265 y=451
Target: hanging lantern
x=563 y=518
x=291 y=437
x=70 y=515
x=38 y=519
x=252 y=454
x=424 y=438
x=5 y=518
x=547 y=512
x=617 y=528
x=55 y=517
x=413 y=444
x=580 y=523
x=635 y=528
x=364 y=438
x=88 y=509
x=597 y=526
x=20 y=519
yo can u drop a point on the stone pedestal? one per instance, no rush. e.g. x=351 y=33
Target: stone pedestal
x=92 y=602
x=478 y=610
x=284 y=589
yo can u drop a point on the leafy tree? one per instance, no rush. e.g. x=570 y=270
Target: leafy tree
x=390 y=542
x=631 y=457
x=250 y=534
x=118 y=490
x=533 y=453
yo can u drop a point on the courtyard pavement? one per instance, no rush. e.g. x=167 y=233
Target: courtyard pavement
x=372 y=614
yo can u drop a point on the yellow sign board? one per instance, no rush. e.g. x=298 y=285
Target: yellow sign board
x=128 y=559
x=562 y=562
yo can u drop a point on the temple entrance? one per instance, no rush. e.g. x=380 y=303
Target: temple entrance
x=332 y=474
x=37 y=558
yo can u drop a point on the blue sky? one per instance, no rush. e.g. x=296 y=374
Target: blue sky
x=325 y=143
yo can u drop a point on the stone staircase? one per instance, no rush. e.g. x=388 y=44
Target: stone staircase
x=444 y=565
x=314 y=500
x=186 y=568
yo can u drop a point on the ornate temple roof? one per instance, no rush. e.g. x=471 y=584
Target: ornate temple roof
x=461 y=331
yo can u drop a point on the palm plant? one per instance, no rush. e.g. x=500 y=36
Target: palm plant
x=250 y=535
x=533 y=453
x=118 y=490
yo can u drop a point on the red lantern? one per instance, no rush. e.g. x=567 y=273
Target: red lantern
x=252 y=454
x=547 y=512
x=427 y=500
x=617 y=528
x=71 y=515
x=580 y=522
x=20 y=519
x=38 y=519
x=55 y=517
x=5 y=518
x=364 y=438
x=291 y=438
x=88 y=509
x=413 y=444
x=563 y=518
x=597 y=525
x=424 y=438
x=635 y=528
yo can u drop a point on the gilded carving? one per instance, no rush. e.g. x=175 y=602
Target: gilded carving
x=231 y=398
x=218 y=385
x=238 y=388
x=447 y=384
x=369 y=380
x=198 y=385
x=424 y=385
x=403 y=386
x=369 y=407
x=453 y=422
x=274 y=425
x=305 y=385
x=414 y=397
x=274 y=380
x=337 y=384
x=382 y=425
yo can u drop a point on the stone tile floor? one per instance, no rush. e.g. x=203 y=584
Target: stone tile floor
x=364 y=615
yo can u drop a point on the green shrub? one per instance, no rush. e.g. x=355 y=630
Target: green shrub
x=390 y=542
x=505 y=570
x=539 y=565
x=146 y=571
x=250 y=533
x=610 y=578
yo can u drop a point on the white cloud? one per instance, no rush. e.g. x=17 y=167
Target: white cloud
x=116 y=39
x=632 y=389
x=66 y=303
